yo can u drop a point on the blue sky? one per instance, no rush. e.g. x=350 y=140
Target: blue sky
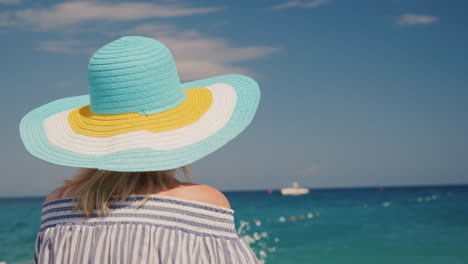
x=354 y=93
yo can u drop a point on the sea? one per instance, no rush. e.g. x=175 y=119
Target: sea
x=363 y=225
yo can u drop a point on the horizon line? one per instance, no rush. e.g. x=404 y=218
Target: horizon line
x=317 y=188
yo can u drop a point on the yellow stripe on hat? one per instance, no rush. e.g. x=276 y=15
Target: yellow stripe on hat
x=198 y=101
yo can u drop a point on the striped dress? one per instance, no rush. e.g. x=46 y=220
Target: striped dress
x=163 y=230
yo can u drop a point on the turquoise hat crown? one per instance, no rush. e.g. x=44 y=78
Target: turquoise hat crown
x=133 y=74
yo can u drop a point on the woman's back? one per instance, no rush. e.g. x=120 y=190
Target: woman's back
x=166 y=229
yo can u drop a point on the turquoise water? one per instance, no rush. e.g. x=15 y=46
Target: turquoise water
x=395 y=225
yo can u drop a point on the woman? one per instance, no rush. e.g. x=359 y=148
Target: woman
x=135 y=131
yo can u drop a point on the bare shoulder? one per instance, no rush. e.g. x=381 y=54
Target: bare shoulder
x=56 y=194
x=203 y=193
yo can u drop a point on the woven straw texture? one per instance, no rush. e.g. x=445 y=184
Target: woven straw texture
x=138 y=116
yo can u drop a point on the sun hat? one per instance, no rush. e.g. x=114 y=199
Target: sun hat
x=138 y=116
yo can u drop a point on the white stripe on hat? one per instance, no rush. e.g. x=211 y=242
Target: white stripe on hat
x=60 y=134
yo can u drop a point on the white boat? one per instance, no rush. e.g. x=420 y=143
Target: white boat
x=294 y=190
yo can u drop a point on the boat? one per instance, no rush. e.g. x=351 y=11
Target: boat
x=294 y=190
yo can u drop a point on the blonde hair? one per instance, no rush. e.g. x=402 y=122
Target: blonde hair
x=96 y=188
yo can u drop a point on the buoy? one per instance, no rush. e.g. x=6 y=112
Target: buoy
x=282 y=219
x=292 y=218
x=301 y=217
x=310 y=215
x=317 y=213
x=270 y=191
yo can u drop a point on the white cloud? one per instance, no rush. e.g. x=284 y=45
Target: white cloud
x=197 y=56
x=299 y=4
x=75 y=12
x=5 y=20
x=9 y=2
x=66 y=46
x=309 y=171
x=413 y=19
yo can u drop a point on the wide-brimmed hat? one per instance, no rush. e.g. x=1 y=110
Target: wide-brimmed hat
x=138 y=116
